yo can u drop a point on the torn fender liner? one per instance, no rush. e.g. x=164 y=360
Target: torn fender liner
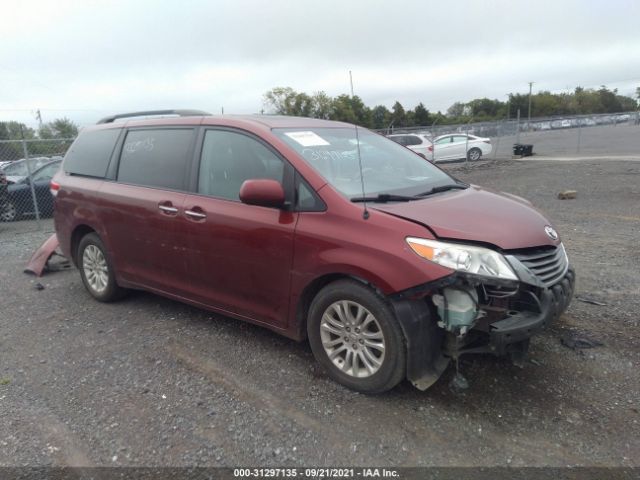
x=425 y=361
x=39 y=259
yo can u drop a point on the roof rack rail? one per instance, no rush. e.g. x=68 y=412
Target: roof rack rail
x=181 y=113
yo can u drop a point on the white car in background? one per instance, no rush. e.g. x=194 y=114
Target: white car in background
x=455 y=146
x=418 y=142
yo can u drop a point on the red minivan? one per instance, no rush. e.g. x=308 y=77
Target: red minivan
x=315 y=229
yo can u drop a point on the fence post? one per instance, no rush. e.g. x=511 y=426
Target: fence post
x=518 y=128
x=31 y=187
x=466 y=143
x=495 y=152
x=579 y=135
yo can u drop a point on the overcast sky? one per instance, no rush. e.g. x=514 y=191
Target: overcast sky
x=87 y=59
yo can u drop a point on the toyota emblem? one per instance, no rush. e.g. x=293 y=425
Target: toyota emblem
x=551 y=233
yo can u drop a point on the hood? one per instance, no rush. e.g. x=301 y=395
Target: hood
x=478 y=215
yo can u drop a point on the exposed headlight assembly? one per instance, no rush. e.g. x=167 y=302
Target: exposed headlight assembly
x=464 y=258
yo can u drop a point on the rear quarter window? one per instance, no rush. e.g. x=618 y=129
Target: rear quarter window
x=156 y=158
x=90 y=154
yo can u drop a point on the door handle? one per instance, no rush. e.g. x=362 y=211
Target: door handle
x=195 y=215
x=168 y=209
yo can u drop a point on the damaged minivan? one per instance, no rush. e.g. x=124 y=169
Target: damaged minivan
x=318 y=230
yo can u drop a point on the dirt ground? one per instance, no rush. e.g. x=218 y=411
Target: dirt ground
x=148 y=381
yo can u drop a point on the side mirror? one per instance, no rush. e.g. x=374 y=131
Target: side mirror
x=262 y=192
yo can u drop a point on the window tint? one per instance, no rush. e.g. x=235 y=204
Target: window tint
x=443 y=141
x=460 y=138
x=91 y=152
x=413 y=140
x=156 y=158
x=229 y=158
x=307 y=199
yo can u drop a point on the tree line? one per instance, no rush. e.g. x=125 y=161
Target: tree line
x=346 y=108
x=51 y=136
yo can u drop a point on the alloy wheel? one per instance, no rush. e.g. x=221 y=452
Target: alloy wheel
x=95 y=268
x=352 y=338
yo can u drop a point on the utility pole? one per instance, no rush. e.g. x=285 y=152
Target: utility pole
x=508 y=106
x=351 y=82
x=39 y=118
x=529 y=115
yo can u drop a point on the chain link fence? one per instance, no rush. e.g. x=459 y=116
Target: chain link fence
x=561 y=136
x=26 y=169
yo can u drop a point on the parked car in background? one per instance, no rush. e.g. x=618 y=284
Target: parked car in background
x=456 y=146
x=19 y=168
x=3 y=187
x=18 y=201
x=418 y=142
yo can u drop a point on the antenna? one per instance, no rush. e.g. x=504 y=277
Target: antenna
x=365 y=213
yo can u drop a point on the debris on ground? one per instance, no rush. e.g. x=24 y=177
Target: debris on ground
x=578 y=341
x=591 y=301
x=567 y=195
x=39 y=286
x=458 y=383
x=40 y=258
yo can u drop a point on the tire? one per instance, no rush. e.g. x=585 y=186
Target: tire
x=8 y=212
x=96 y=269
x=474 y=154
x=348 y=323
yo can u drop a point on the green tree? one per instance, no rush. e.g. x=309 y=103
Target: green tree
x=321 y=105
x=380 y=117
x=352 y=110
x=485 y=108
x=421 y=116
x=456 y=110
x=398 y=115
x=58 y=129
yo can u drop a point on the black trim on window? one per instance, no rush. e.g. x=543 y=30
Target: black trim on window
x=318 y=206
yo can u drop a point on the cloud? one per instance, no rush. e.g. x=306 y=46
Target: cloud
x=85 y=59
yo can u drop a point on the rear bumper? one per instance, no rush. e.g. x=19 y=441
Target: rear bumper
x=521 y=326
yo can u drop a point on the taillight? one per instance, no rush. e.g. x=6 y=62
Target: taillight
x=430 y=148
x=54 y=187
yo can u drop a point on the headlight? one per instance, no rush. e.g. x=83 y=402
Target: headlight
x=465 y=258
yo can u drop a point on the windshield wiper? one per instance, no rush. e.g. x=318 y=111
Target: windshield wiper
x=444 y=188
x=384 y=197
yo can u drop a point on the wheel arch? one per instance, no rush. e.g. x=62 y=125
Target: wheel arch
x=78 y=233
x=311 y=290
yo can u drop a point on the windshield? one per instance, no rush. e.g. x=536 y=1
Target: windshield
x=386 y=166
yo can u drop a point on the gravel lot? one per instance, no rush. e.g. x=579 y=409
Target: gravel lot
x=152 y=382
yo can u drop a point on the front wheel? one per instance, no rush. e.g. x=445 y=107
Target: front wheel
x=8 y=212
x=96 y=269
x=354 y=335
x=474 y=154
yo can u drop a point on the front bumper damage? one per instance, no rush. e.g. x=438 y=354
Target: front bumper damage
x=509 y=314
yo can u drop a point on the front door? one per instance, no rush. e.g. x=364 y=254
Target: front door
x=239 y=256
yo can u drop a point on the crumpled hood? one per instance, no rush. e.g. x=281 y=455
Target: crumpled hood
x=479 y=215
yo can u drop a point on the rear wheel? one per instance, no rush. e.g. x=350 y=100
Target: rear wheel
x=96 y=269
x=354 y=335
x=474 y=154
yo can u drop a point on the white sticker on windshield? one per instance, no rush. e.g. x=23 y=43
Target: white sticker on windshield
x=307 y=139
